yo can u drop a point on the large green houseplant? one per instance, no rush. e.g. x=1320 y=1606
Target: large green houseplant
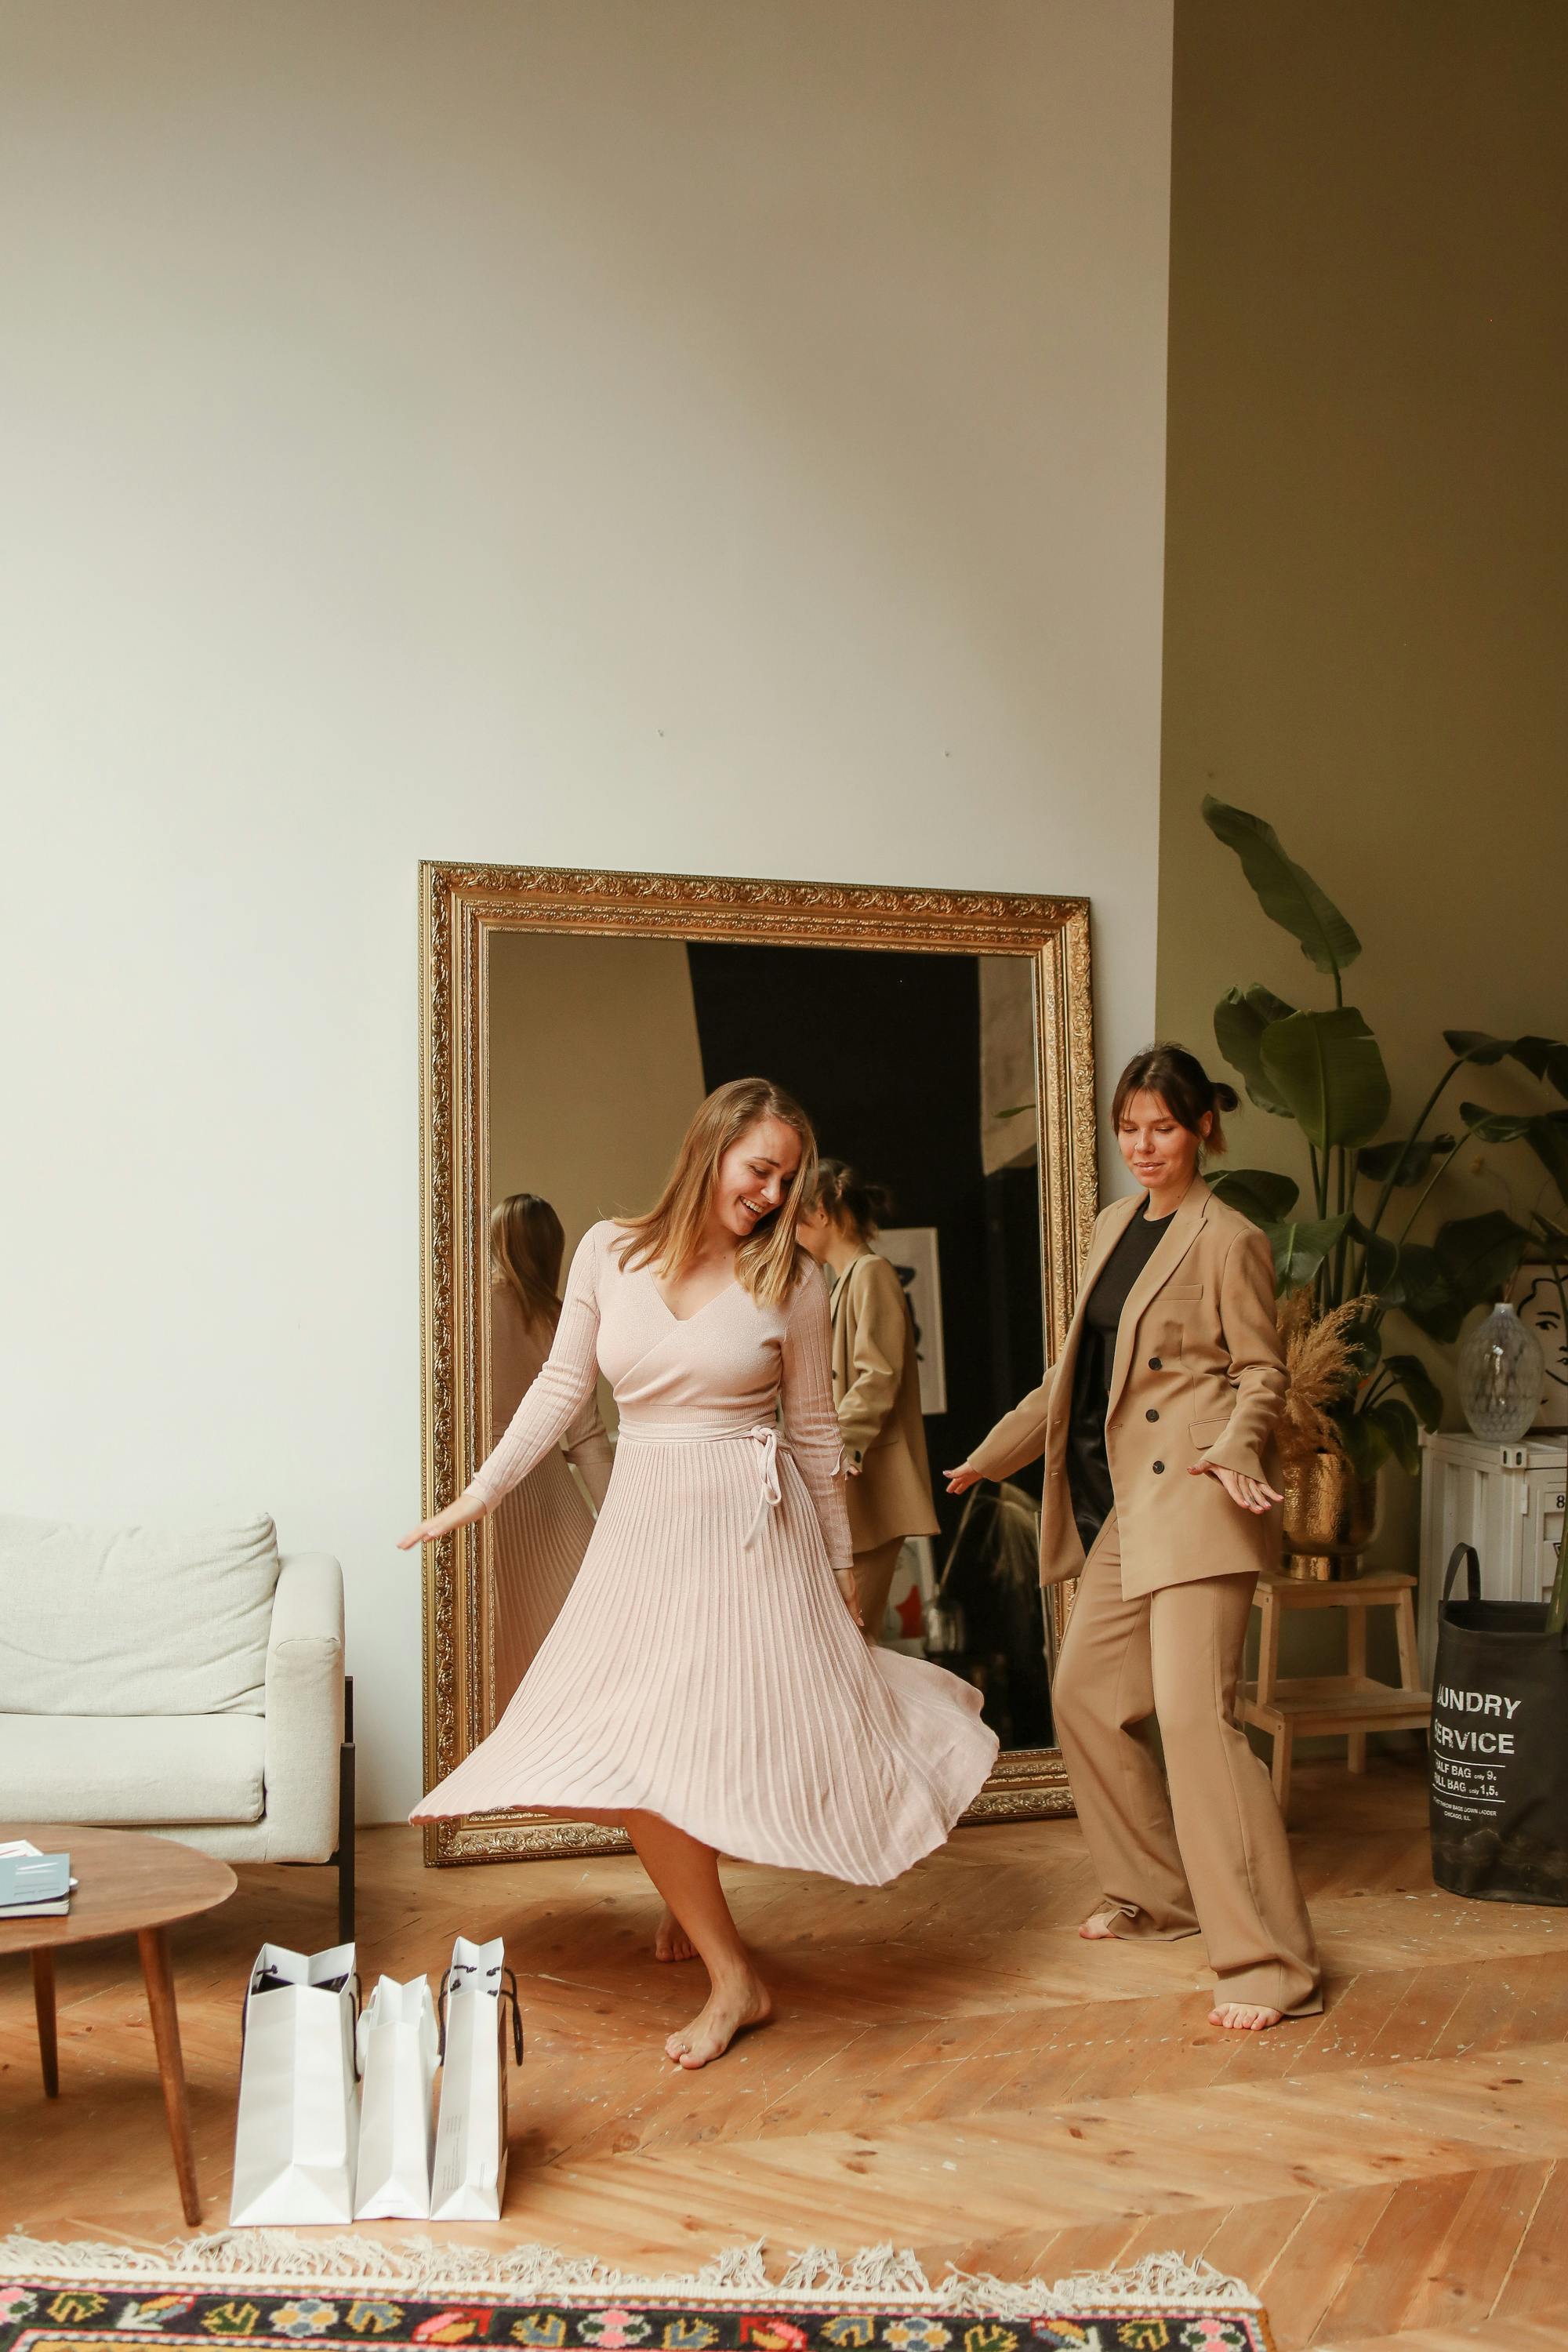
x=1351 y=1239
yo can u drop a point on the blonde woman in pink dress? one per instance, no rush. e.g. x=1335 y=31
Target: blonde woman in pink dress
x=705 y=1684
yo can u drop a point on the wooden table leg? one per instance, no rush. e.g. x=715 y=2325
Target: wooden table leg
x=1268 y=1647
x=1284 y=1740
x=1356 y=1661
x=43 y=2006
x=1409 y=1655
x=160 y=1983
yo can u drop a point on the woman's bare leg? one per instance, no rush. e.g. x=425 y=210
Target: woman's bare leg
x=670 y=1940
x=685 y=1873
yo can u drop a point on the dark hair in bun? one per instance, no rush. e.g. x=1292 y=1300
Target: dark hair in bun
x=1183 y=1085
x=850 y=1198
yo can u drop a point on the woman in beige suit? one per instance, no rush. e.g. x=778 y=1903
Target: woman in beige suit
x=876 y=1383
x=1155 y=1423
x=542 y=1525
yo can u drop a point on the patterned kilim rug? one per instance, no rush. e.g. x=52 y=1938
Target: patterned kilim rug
x=271 y=2290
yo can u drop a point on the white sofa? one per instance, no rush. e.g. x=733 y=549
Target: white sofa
x=186 y=1681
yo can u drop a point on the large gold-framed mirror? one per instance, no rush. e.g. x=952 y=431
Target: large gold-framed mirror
x=941 y=1040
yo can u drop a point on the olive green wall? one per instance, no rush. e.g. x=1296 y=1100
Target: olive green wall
x=1367 y=485
x=1367 y=481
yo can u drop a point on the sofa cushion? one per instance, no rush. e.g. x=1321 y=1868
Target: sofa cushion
x=172 y=1768
x=157 y=1620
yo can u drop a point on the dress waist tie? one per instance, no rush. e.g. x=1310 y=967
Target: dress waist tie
x=766 y=1439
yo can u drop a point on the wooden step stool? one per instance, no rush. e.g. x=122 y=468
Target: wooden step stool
x=1351 y=1703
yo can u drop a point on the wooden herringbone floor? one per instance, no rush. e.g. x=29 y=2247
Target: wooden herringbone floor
x=951 y=2068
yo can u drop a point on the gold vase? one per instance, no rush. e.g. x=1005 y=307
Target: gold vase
x=1331 y=1517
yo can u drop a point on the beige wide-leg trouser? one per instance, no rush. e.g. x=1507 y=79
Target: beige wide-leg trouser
x=1209 y=1853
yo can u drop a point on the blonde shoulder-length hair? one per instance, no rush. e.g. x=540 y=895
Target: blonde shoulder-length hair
x=670 y=1234
x=526 y=1244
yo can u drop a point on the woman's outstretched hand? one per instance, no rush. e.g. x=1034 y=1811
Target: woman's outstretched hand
x=461 y=1513
x=1250 y=1493
x=959 y=1481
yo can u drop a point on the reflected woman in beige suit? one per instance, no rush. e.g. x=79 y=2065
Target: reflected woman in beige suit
x=876 y=1383
x=1155 y=1423
x=542 y=1525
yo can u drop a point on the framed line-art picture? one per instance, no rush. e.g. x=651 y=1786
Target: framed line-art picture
x=911 y=1251
x=1539 y=1302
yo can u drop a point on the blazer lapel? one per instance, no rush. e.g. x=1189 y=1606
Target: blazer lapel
x=1169 y=1252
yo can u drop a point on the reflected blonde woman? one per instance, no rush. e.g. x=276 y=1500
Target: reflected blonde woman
x=542 y=1524
x=705 y=1686
x=876 y=1381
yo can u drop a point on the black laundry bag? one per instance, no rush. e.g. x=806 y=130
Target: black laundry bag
x=1499 y=1747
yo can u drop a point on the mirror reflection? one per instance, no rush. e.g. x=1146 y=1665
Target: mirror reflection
x=917 y=1071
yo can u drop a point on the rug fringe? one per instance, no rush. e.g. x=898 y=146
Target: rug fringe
x=884 y=2274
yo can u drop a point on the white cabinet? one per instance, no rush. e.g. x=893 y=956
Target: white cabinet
x=1506 y=1500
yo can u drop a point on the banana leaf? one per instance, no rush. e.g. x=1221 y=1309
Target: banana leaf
x=1328 y=1068
x=1545 y=1131
x=1300 y=1249
x=1479 y=1046
x=1240 y=1018
x=1397 y=1424
x=1480 y=1256
x=1406 y=1163
x=1288 y=895
x=1257 y=1193
x=1544 y=1058
x=1365 y=1442
x=1426 y=1397
x=1423 y=1291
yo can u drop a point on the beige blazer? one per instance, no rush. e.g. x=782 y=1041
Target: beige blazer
x=876 y=1388
x=1198 y=1376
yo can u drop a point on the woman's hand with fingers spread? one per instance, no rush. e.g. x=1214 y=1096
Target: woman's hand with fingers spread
x=461 y=1513
x=959 y=1481
x=1249 y=1493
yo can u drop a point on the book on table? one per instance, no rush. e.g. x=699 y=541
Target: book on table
x=32 y=1885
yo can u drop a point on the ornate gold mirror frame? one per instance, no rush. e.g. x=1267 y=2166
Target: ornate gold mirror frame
x=459 y=906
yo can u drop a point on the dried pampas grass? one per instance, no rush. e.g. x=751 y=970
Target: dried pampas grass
x=1321 y=1361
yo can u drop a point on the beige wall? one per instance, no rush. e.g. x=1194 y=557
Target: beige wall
x=1367 y=477
x=616 y=433
x=594 y=1072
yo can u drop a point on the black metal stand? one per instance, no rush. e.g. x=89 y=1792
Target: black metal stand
x=344 y=1857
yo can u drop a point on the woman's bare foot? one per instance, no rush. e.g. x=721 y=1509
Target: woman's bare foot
x=1097 y=1928
x=671 y=1941
x=1241 y=2017
x=730 y=2010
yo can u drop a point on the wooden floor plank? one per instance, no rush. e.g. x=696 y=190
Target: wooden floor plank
x=953 y=2067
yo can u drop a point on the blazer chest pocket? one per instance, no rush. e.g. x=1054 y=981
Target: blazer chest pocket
x=1179 y=1302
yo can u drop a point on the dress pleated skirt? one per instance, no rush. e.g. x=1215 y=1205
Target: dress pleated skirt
x=704 y=1667
x=540 y=1531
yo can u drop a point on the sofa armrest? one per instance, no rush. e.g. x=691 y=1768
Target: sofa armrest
x=304 y=1720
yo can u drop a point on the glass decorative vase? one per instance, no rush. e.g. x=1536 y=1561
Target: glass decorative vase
x=1501 y=1375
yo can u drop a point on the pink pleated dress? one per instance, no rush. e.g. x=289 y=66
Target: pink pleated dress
x=703 y=1665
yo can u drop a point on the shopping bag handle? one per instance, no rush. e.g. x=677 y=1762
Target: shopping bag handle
x=1465 y=1552
x=337 y=1984
x=508 y=1992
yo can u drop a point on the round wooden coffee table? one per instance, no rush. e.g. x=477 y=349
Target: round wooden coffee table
x=131 y=1885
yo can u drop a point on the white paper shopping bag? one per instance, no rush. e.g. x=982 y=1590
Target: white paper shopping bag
x=298 y=2096
x=471 y=2139
x=397 y=2051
